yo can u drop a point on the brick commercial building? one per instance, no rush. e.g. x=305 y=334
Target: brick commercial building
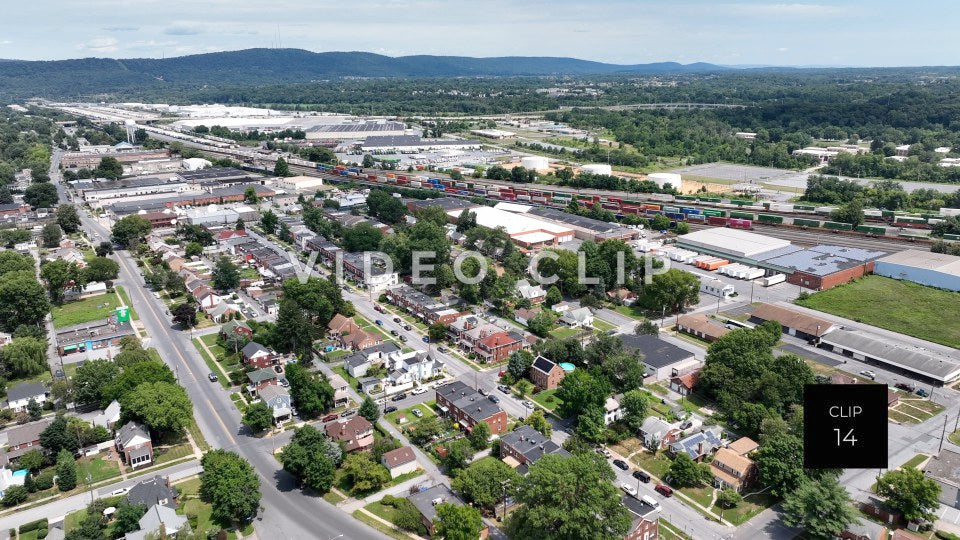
x=468 y=407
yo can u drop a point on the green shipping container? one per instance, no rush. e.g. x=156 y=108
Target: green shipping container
x=806 y=222
x=740 y=202
x=887 y=213
x=714 y=213
x=804 y=207
x=766 y=218
x=951 y=237
x=833 y=225
x=709 y=199
x=741 y=215
x=871 y=230
x=686 y=197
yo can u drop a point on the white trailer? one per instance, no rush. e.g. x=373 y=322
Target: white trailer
x=773 y=280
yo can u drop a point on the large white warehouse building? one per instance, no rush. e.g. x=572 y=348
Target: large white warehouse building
x=526 y=231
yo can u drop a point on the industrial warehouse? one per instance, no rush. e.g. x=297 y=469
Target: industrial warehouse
x=525 y=231
x=923 y=267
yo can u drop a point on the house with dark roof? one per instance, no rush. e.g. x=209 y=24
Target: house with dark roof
x=498 y=347
x=699 y=445
x=235 y=327
x=466 y=406
x=645 y=522
x=261 y=379
x=156 y=490
x=356 y=433
x=426 y=503
x=661 y=360
x=400 y=461
x=258 y=356
x=22 y=439
x=19 y=396
x=545 y=373
x=134 y=444
x=157 y=521
x=523 y=446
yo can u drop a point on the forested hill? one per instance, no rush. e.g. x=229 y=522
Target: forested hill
x=88 y=76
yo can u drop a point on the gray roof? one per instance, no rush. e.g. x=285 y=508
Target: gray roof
x=386 y=347
x=356 y=360
x=824 y=260
x=260 y=375
x=711 y=439
x=26 y=433
x=638 y=508
x=531 y=444
x=253 y=348
x=26 y=391
x=654 y=425
x=477 y=406
x=656 y=352
x=151 y=492
x=919 y=360
x=130 y=430
x=424 y=500
x=447 y=203
x=590 y=224
x=155 y=516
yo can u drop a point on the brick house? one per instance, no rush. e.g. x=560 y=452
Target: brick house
x=499 y=346
x=341 y=326
x=22 y=439
x=468 y=407
x=646 y=519
x=236 y=328
x=523 y=446
x=258 y=356
x=356 y=433
x=360 y=339
x=545 y=374
x=685 y=384
x=732 y=468
x=134 y=444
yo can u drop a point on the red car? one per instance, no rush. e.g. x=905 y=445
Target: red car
x=329 y=418
x=664 y=490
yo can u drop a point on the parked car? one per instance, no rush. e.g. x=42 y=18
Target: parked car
x=398 y=397
x=347 y=413
x=632 y=491
x=213 y=377
x=441 y=349
x=407 y=327
x=417 y=412
x=378 y=308
x=906 y=386
x=394 y=333
x=284 y=383
x=620 y=464
x=294 y=411
x=403 y=338
x=329 y=417
x=868 y=374
x=528 y=404
x=687 y=424
x=481 y=391
x=396 y=319
x=379 y=322
x=503 y=388
x=642 y=476
x=664 y=490
x=278 y=369
x=390 y=409
x=603 y=451
x=418 y=390
x=426 y=339
x=493 y=398
x=923 y=393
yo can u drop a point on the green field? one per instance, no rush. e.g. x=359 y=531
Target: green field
x=564 y=332
x=84 y=311
x=900 y=306
x=97 y=468
x=603 y=325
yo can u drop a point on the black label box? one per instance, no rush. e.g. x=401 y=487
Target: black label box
x=845 y=426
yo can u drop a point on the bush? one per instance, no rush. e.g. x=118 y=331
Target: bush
x=44 y=480
x=33 y=525
x=41 y=533
x=944 y=535
x=14 y=495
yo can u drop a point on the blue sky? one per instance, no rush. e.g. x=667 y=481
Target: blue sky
x=838 y=32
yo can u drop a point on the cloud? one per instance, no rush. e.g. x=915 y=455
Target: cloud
x=100 y=45
x=182 y=30
x=5 y=42
x=120 y=28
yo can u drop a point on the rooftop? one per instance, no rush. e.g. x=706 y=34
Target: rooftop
x=944 y=467
x=426 y=501
x=940 y=262
x=515 y=224
x=825 y=260
x=789 y=318
x=918 y=359
x=735 y=242
x=656 y=352
x=531 y=444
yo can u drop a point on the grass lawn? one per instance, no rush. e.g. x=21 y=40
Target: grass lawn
x=333 y=498
x=564 y=332
x=629 y=311
x=902 y=418
x=191 y=506
x=746 y=510
x=702 y=495
x=547 y=399
x=426 y=408
x=98 y=468
x=900 y=306
x=628 y=446
x=658 y=389
x=955 y=437
x=334 y=355
x=916 y=460
x=211 y=364
x=669 y=531
x=84 y=311
x=369 y=326
x=126 y=300
x=340 y=370
x=603 y=325
x=656 y=464
x=916 y=410
x=73 y=519
x=165 y=455
x=391 y=532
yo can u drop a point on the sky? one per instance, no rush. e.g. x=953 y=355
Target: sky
x=745 y=32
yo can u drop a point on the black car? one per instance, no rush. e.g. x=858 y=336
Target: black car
x=390 y=409
x=345 y=414
x=621 y=464
x=396 y=319
x=394 y=333
x=481 y=391
x=398 y=397
x=493 y=398
x=213 y=377
x=642 y=476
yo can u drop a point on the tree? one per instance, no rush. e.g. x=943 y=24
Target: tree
x=23 y=301
x=230 y=485
x=437 y=332
x=258 y=417
x=822 y=508
x=780 y=460
x=660 y=222
x=102 y=269
x=312 y=458
x=538 y=421
x=385 y=207
x=127 y=517
x=15 y=495
x=542 y=323
x=310 y=391
x=519 y=364
x=164 y=407
x=193 y=249
x=50 y=235
x=369 y=410
x=523 y=387
x=294 y=331
x=457 y=522
x=25 y=357
x=59 y=275
x=12 y=261
x=34 y=409
x=5 y=196
x=634 y=404
x=851 y=213
x=674 y=289
x=130 y=231
x=226 y=275
x=42 y=195
x=729 y=498
x=239 y=225
x=479 y=436
x=434 y=214
x=66 y=471
x=367 y=161
x=33 y=460
x=249 y=197
x=553 y=296
x=281 y=168
x=133 y=375
x=57 y=436
x=104 y=248
x=185 y=314
x=68 y=218
x=483 y=482
x=685 y=472
x=909 y=491
x=466 y=221
x=590 y=425
x=269 y=222
x=566 y=497
x=362 y=237
x=109 y=167
x=458 y=454
x=580 y=391
x=363 y=473
x=426 y=430
x=646 y=328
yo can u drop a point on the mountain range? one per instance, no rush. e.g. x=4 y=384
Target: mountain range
x=280 y=66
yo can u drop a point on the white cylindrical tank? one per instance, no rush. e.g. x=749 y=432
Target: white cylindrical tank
x=661 y=178
x=597 y=168
x=537 y=163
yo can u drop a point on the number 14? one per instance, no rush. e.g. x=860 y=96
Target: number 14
x=849 y=437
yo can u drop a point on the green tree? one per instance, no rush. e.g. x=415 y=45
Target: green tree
x=635 y=404
x=25 y=357
x=362 y=237
x=780 y=461
x=363 y=473
x=434 y=214
x=164 y=407
x=127 y=517
x=281 y=168
x=479 y=436
x=822 y=508
x=851 y=213
x=135 y=373
x=553 y=296
x=685 y=472
x=580 y=391
x=294 y=331
x=103 y=249
x=310 y=391
x=674 y=289
x=66 y=471
x=385 y=207
x=226 y=275
x=42 y=195
x=14 y=495
x=23 y=301
x=729 y=498
x=909 y=491
x=230 y=485
x=258 y=417
x=57 y=436
x=519 y=364
x=101 y=269
x=130 y=231
x=239 y=225
x=523 y=387
x=185 y=315
x=369 y=410
x=311 y=458
x=437 y=332
x=646 y=328
x=50 y=235
x=542 y=323
x=34 y=409
x=12 y=261
x=60 y=275
x=109 y=167
x=92 y=378
x=367 y=161
x=564 y=497
x=33 y=460
x=484 y=480
x=250 y=197
x=269 y=222
x=538 y=421
x=193 y=249
x=425 y=430
x=457 y=522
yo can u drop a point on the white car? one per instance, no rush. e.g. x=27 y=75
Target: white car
x=869 y=374
x=417 y=412
x=632 y=491
x=418 y=390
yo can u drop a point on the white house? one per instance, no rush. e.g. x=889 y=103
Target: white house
x=563 y=307
x=410 y=367
x=580 y=317
x=534 y=293
x=612 y=411
x=7 y=479
x=20 y=396
x=159 y=519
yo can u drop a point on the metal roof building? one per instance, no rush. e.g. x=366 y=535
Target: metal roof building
x=923 y=267
x=921 y=362
x=733 y=243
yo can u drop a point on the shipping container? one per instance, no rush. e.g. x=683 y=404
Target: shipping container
x=741 y=215
x=690 y=211
x=739 y=223
x=672 y=209
x=686 y=197
x=712 y=200
x=676 y=216
x=717 y=220
x=651 y=207
x=714 y=213
x=768 y=218
x=951 y=236
x=806 y=222
x=741 y=202
x=773 y=280
x=803 y=208
x=868 y=229
x=696 y=217
x=835 y=226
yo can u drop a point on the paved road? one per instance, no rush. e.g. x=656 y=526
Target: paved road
x=289 y=513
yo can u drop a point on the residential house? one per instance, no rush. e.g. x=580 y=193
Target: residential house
x=156 y=490
x=426 y=307
x=685 y=384
x=699 y=445
x=278 y=399
x=341 y=396
x=563 y=307
x=427 y=501
x=222 y=311
x=261 y=378
x=159 y=520
x=623 y=296
x=498 y=347
x=865 y=530
x=412 y=367
x=134 y=444
x=8 y=479
x=534 y=293
x=361 y=339
x=20 y=396
x=661 y=360
x=470 y=338
x=577 y=318
x=358 y=363
x=645 y=523
x=468 y=407
x=524 y=315
x=370 y=273
x=235 y=327
x=612 y=411
x=22 y=439
x=732 y=467
x=701 y=326
x=657 y=433
x=356 y=433
x=400 y=461
x=109 y=417
x=523 y=446
x=340 y=325
x=258 y=356
x=545 y=373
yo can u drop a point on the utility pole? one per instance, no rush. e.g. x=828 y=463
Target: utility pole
x=943 y=435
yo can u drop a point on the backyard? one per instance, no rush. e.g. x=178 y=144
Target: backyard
x=900 y=306
x=84 y=311
x=97 y=469
x=547 y=399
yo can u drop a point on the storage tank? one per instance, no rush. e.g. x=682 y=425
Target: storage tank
x=537 y=163
x=597 y=168
x=661 y=178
